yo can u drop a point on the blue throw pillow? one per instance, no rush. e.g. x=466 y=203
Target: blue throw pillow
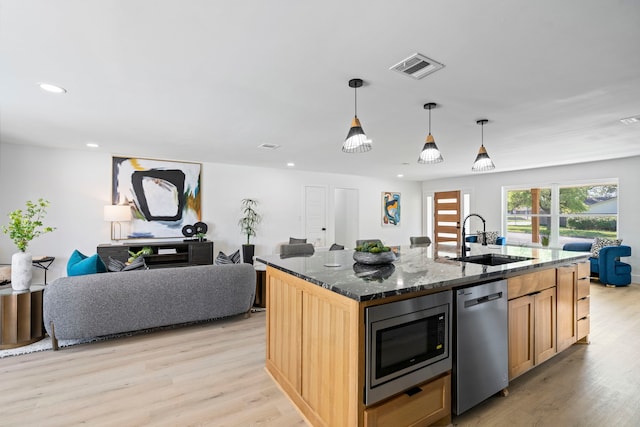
x=80 y=264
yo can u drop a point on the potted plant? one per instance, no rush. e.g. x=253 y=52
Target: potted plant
x=24 y=226
x=373 y=253
x=248 y=224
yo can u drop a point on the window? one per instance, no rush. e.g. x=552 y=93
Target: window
x=588 y=211
x=528 y=215
x=559 y=214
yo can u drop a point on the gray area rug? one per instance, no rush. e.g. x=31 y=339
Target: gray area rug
x=45 y=343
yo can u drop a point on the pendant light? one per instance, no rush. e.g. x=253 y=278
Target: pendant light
x=483 y=161
x=430 y=153
x=356 y=141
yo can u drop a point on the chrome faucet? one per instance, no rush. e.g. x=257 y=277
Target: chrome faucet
x=464 y=234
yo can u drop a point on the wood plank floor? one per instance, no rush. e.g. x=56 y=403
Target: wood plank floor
x=213 y=375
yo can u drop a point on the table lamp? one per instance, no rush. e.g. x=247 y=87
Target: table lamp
x=116 y=214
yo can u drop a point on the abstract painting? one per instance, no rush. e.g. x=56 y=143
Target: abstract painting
x=390 y=208
x=164 y=195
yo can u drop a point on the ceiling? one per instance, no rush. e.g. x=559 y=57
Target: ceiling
x=210 y=81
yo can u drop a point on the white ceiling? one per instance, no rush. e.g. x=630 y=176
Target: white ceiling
x=209 y=81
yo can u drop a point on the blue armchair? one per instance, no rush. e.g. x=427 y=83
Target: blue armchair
x=608 y=267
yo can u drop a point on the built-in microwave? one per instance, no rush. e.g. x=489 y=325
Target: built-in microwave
x=407 y=343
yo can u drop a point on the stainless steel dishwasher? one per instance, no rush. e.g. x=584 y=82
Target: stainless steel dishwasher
x=481 y=352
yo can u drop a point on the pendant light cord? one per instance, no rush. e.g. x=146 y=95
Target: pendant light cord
x=429 y=120
x=355 y=100
x=482 y=134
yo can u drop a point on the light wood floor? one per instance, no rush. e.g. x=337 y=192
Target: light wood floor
x=213 y=375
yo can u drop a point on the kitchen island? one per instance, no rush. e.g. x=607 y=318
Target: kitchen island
x=316 y=324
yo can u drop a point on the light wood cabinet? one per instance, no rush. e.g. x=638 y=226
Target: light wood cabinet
x=313 y=349
x=532 y=320
x=521 y=327
x=567 y=318
x=583 y=282
x=530 y=283
x=315 y=352
x=544 y=325
x=548 y=312
x=573 y=305
x=421 y=406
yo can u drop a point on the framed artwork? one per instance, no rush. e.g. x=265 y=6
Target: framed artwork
x=391 y=209
x=164 y=195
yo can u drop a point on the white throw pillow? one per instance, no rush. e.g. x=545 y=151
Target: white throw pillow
x=600 y=243
x=492 y=236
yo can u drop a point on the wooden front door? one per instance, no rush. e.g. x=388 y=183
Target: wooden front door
x=447 y=217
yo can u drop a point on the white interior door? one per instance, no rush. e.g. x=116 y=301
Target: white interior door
x=346 y=216
x=315 y=215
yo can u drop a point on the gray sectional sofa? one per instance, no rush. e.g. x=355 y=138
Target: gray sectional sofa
x=109 y=303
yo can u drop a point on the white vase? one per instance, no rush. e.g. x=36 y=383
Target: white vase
x=21 y=271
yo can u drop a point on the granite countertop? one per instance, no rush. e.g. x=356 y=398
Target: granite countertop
x=416 y=269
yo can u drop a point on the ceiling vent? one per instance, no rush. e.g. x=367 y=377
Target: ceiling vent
x=417 y=66
x=631 y=120
x=269 y=146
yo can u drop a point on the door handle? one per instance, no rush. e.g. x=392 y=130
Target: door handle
x=324 y=229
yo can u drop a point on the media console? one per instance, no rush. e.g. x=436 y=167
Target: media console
x=165 y=254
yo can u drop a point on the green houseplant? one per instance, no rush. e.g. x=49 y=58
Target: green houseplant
x=24 y=226
x=248 y=224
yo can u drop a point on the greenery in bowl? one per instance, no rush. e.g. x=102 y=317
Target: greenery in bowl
x=26 y=225
x=374 y=248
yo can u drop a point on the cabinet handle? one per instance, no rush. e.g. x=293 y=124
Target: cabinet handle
x=412 y=391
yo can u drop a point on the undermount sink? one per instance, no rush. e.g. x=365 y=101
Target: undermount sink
x=492 y=259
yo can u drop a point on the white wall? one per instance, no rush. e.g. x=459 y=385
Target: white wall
x=78 y=185
x=486 y=193
x=346 y=214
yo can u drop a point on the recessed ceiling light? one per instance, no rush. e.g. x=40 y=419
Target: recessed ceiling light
x=92 y=145
x=631 y=120
x=291 y=164
x=400 y=175
x=48 y=87
x=269 y=146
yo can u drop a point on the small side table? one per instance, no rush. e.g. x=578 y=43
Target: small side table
x=20 y=317
x=261 y=284
x=43 y=263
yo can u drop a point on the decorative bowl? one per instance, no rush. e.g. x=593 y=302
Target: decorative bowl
x=374 y=258
x=370 y=273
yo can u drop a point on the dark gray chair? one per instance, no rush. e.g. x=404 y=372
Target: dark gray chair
x=296 y=249
x=336 y=247
x=419 y=241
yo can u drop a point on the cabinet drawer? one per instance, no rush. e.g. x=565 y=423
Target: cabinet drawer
x=583 y=288
x=583 y=327
x=532 y=282
x=423 y=408
x=584 y=269
x=583 y=308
